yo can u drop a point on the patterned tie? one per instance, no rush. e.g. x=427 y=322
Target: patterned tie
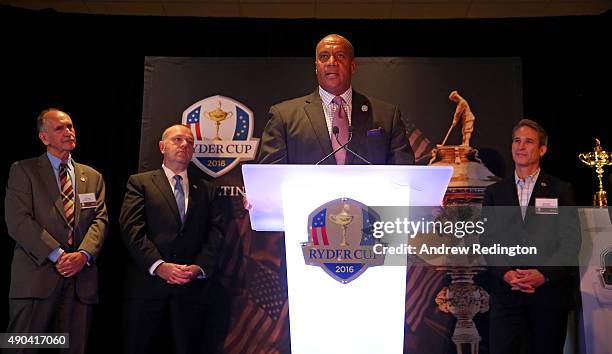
x=340 y=120
x=179 y=195
x=67 y=195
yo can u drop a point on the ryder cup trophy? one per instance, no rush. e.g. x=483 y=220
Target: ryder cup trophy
x=218 y=115
x=598 y=159
x=343 y=219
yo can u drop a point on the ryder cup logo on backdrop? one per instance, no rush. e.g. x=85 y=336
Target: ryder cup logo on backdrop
x=223 y=130
x=340 y=239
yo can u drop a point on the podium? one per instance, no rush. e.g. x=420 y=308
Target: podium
x=365 y=315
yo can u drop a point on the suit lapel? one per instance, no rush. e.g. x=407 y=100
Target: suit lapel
x=48 y=177
x=195 y=190
x=80 y=182
x=314 y=112
x=359 y=122
x=511 y=196
x=540 y=189
x=161 y=182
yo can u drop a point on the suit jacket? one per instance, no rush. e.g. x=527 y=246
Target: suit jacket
x=297 y=133
x=151 y=230
x=556 y=237
x=35 y=219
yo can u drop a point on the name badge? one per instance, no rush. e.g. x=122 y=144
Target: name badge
x=87 y=200
x=547 y=206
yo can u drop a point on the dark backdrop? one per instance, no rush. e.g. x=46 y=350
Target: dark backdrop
x=92 y=67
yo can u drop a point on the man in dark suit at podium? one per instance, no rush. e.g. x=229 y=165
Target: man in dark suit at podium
x=531 y=296
x=173 y=233
x=306 y=129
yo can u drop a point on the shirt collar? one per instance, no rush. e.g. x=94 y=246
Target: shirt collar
x=170 y=175
x=327 y=97
x=531 y=178
x=55 y=161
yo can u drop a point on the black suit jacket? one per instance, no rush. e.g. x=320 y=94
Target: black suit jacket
x=556 y=237
x=152 y=230
x=297 y=133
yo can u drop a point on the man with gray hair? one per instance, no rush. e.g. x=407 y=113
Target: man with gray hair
x=54 y=209
x=531 y=298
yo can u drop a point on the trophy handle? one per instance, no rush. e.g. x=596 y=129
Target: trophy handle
x=584 y=158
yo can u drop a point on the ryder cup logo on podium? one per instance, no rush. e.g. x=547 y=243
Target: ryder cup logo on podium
x=223 y=130
x=340 y=239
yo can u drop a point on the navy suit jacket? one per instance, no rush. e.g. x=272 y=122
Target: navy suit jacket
x=151 y=229
x=556 y=237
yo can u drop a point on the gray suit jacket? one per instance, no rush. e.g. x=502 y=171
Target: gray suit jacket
x=35 y=218
x=297 y=133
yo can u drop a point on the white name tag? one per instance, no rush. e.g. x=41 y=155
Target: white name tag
x=547 y=206
x=87 y=200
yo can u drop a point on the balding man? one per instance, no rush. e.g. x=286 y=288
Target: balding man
x=306 y=129
x=55 y=211
x=173 y=233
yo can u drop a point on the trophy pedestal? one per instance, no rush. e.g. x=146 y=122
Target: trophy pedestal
x=600 y=199
x=463 y=299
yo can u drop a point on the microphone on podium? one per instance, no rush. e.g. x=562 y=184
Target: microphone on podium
x=345 y=146
x=336 y=132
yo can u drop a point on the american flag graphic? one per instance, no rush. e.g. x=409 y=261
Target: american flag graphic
x=420 y=144
x=367 y=239
x=318 y=227
x=261 y=322
x=242 y=124
x=193 y=121
x=422 y=285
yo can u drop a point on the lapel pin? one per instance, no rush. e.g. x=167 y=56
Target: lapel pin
x=364 y=108
x=543 y=184
x=82 y=179
x=194 y=186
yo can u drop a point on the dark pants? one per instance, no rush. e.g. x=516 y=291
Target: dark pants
x=61 y=312
x=527 y=323
x=187 y=324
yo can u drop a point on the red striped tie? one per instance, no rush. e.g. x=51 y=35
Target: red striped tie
x=67 y=194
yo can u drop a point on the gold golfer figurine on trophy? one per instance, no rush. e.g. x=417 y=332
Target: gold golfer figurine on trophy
x=598 y=159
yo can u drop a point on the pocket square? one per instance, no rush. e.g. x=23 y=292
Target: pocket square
x=375 y=132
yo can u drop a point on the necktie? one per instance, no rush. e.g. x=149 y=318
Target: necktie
x=340 y=120
x=67 y=195
x=179 y=195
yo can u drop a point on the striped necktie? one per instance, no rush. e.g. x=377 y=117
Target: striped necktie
x=67 y=194
x=179 y=195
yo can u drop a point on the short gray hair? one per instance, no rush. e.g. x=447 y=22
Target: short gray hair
x=40 y=120
x=535 y=126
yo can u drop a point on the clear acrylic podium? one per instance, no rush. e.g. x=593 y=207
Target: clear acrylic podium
x=326 y=316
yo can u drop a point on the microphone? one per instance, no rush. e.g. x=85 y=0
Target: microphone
x=336 y=131
x=345 y=146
